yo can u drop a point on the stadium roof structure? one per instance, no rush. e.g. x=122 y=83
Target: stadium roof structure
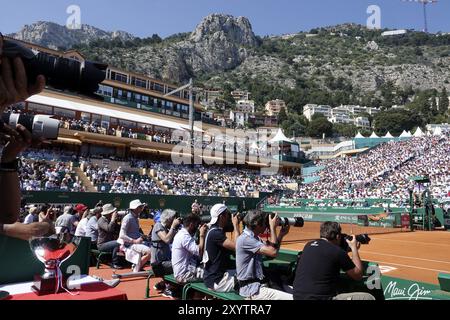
x=280 y=137
x=374 y=135
x=123 y=115
x=359 y=136
x=405 y=134
x=419 y=133
x=388 y=135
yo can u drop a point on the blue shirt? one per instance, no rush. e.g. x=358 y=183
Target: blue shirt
x=92 y=229
x=249 y=262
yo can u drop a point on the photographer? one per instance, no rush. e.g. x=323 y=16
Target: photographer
x=319 y=266
x=67 y=222
x=108 y=231
x=13 y=88
x=85 y=216
x=249 y=252
x=219 y=270
x=162 y=236
x=186 y=254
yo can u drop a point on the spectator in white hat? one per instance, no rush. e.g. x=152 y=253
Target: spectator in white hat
x=220 y=271
x=131 y=234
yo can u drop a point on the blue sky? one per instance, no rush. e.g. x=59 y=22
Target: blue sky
x=166 y=17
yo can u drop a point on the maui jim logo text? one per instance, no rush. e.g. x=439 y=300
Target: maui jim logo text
x=414 y=292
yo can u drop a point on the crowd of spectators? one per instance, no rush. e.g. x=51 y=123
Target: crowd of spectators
x=118 y=181
x=384 y=172
x=143 y=133
x=46 y=176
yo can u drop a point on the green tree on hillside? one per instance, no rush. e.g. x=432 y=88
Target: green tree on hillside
x=443 y=101
x=318 y=126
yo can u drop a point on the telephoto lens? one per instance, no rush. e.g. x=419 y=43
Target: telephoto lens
x=60 y=73
x=293 y=222
x=40 y=126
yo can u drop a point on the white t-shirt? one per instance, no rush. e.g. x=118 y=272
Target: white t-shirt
x=81 y=228
x=184 y=253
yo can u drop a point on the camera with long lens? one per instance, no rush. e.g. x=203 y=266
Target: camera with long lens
x=282 y=222
x=361 y=238
x=60 y=73
x=40 y=126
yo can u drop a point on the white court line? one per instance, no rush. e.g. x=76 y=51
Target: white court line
x=406 y=257
x=409 y=266
x=426 y=243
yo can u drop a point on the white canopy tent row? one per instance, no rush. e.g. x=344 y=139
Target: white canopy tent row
x=405 y=134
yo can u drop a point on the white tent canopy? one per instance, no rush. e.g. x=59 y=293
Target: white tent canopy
x=388 y=135
x=437 y=131
x=280 y=137
x=419 y=133
x=405 y=134
x=374 y=135
x=359 y=136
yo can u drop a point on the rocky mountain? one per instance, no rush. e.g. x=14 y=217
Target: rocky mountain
x=55 y=36
x=332 y=65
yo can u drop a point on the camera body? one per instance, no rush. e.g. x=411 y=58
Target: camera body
x=361 y=238
x=60 y=73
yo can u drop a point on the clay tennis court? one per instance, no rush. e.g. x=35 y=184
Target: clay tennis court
x=418 y=255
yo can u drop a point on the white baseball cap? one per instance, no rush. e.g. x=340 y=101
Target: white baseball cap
x=216 y=211
x=136 y=204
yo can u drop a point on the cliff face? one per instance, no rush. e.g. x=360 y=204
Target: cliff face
x=55 y=36
x=223 y=48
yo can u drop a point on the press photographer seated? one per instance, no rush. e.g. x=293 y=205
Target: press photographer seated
x=162 y=235
x=249 y=253
x=319 y=267
x=186 y=253
x=219 y=269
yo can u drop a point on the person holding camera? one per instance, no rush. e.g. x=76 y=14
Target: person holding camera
x=108 y=232
x=85 y=214
x=14 y=88
x=186 y=253
x=162 y=235
x=319 y=267
x=131 y=235
x=67 y=222
x=220 y=272
x=249 y=252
